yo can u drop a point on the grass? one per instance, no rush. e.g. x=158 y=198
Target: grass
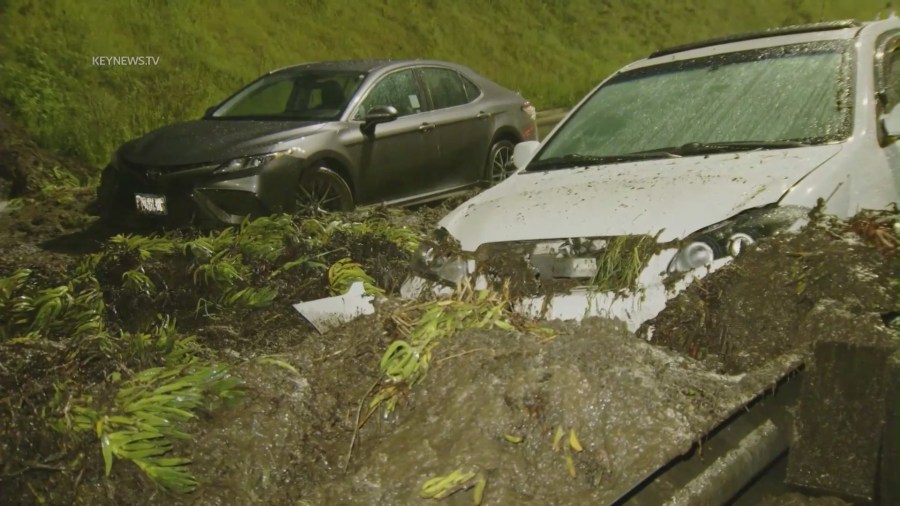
x=99 y=364
x=621 y=262
x=63 y=327
x=148 y=414
x=208 y=48
x=424 y=325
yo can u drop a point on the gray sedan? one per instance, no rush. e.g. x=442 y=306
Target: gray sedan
x=329 y=135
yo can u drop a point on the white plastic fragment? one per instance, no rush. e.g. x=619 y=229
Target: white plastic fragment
x=329 y=312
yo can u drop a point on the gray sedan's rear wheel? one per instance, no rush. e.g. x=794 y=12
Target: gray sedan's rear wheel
x=499 y=162
x=323 y=190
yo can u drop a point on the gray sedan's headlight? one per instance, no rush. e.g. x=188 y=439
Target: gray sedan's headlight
x=450 y=268
x=247 y=163
x=732 y=236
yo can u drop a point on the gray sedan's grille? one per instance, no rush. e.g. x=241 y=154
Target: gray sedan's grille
x=152 y=172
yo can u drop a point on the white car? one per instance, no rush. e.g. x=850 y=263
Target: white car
x=675 y=162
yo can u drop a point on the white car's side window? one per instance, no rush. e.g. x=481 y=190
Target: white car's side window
x=891 y=77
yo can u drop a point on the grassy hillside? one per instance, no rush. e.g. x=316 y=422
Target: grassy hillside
x=553 y=51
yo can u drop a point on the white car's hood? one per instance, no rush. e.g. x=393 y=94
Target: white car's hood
x=676 y=196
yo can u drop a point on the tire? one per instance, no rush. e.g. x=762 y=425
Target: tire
x=323 y=190
x=499 y=162
x=109 y=204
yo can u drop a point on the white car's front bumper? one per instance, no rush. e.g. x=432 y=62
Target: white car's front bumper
x=633 y=308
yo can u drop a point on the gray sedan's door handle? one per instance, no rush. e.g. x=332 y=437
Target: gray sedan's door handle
x=482 y=115
x=426 y=127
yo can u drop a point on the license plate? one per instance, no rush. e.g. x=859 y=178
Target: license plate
x=150 y=204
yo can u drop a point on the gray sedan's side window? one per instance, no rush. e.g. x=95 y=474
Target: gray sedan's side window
x=472 y=91
x=446 y=87
x=398 y=89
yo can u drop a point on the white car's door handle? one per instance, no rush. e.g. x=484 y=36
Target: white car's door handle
x=426 y=127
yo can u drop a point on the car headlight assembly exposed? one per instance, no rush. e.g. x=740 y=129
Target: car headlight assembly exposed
x=247 y=163
x=448 y=268
x=732 y=236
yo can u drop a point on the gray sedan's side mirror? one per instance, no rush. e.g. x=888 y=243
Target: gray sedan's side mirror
x=209 y=111
x=524 y=152
x=891 y=122
x=378 y=114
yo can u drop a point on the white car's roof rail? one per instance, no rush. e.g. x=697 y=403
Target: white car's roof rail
x=784 y=30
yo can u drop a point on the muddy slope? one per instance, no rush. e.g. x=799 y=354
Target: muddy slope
x=770 y=299
x=25 y=168
x=632 y=406
x=491 y=405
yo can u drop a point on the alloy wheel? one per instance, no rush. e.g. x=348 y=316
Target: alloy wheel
x=501 y=162
x=321 y=193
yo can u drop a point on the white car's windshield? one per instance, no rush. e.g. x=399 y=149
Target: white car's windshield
x=779 y=97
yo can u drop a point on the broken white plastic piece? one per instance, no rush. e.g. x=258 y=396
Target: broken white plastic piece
x=330 y=312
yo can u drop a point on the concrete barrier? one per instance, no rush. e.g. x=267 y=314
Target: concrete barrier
x=550 y=117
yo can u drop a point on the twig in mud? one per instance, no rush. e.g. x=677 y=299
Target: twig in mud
x=456 y=355
x=77 y=482
x=332 y=355
x=356 y=424
x=548 y=339
x=33 y=466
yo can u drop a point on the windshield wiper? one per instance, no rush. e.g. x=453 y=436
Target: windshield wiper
x=579 y=160
x=699 y=148
x=691 y=148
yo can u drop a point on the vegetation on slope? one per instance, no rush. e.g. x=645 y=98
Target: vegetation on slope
x=97 y=371
x=208 y=48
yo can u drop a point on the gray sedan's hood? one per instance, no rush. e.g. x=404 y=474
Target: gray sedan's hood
x=209 y=140
x=675 y=196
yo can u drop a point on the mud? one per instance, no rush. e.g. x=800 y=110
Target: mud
x=634 y=405
x=25 y=168
x=769 y=300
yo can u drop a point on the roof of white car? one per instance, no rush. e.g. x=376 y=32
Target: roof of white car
x=832 y=30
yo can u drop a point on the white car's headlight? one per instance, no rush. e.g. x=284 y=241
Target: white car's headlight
x=695 y=254
x=732 y=236
x=247 y=163
x=430 y=263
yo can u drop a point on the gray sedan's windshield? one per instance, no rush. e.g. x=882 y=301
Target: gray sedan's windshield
x=790 y=93
x=288 y=96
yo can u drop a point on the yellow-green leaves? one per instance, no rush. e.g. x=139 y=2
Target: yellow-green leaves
x=441 y=487
x=136 y=281
x=143 y=247
x=70 y=311
x=557 y=438
x=478 y=493
x=573 y=442
x=148 y=412
x=574 y=445
x=345 y=272
x=425 y=325
x=513 y=438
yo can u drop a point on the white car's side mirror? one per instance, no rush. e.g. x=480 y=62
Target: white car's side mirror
x=891 y=122
x=524 y=152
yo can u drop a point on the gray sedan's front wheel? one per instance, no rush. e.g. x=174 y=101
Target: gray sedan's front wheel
x=499 y=162
x=323 y=190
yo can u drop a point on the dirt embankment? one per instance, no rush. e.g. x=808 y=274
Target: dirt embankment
x=25 y=168
x=578 y=416
x=776 y=297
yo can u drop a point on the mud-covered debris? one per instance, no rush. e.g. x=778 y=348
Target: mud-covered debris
x=331 y=312
x=755 y=308
x=623 y=408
